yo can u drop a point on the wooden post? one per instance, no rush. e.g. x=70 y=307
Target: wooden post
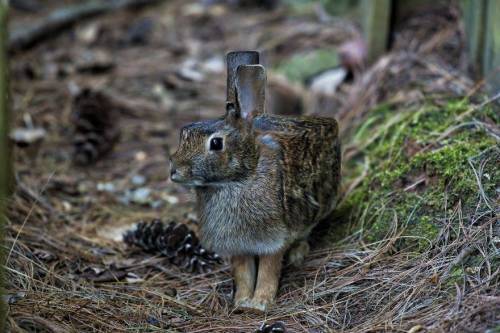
x=4 y=149
x=491 y=53
x=375 y=20
x=473 y=14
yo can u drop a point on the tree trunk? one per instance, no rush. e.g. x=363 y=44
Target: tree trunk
x=4 y=149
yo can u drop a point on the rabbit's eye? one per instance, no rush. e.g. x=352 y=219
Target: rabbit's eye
x=216 y=144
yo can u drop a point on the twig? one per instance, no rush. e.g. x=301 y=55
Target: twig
x=479 y=106
x=61 y=19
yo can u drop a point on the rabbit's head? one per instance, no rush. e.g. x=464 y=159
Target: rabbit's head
x=222 y=151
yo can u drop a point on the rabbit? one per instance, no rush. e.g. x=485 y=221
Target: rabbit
x=262 y=182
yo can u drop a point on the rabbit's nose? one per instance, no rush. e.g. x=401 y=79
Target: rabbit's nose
x=173 y=169
x=174 y=174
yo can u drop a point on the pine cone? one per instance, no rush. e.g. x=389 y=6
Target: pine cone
x=277 y=327
x=95 y=126
x=176 y=242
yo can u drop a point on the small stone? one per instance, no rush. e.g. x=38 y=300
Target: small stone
x=24 y=137
x=13 y=298
x=138 y=180
x=140 y=156
x=88 y=33
x=141 y=195
x=190 y=74
x=106 y=187
x=327 y=82
x=171 y=199
x=67 y=206
x=214 y=65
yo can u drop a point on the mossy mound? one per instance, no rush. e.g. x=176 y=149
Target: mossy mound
x=415 y=168
x=302 y=67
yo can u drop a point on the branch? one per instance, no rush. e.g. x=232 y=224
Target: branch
x=64 y=18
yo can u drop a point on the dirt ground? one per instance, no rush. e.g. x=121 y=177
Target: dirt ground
x=163 y=66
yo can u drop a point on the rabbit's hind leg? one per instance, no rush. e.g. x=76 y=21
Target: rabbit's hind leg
x=244 y=273
x=298 y=252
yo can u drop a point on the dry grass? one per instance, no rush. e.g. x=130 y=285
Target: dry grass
x=346 y=288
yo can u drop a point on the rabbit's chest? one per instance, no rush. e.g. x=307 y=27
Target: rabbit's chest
x=239 y=220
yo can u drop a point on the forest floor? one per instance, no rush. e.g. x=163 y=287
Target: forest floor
x=412 y=124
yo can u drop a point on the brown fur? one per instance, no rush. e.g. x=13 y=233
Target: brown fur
x=267 y=280
x=274 y=179
x=244 y=272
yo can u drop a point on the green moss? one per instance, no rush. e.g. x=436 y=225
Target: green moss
x=495 y=329
x=301 y=67
x=419 y=159
x=425 y=231
x=348 y=9
x=456 y=276
x=300 y=7
x=448 y=161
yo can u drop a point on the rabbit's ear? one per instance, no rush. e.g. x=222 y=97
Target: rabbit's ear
x=235 y=59
x=233 y=115
x=250 y=90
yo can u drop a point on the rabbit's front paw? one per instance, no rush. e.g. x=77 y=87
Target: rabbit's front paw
x=241 y=302
x=255 y=305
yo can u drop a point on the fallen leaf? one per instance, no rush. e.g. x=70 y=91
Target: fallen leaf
x=415 y=329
